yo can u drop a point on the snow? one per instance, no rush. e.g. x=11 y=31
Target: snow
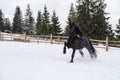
x=43 y=61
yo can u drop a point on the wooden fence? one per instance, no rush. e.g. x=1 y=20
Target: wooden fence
x=52 y=39
x=13 y=37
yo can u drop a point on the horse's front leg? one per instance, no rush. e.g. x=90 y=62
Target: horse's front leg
x=64 y=49
x=72 y=56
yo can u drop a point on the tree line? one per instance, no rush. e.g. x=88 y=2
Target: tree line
x=92 y=19
x=89 y=15
x=44 y=24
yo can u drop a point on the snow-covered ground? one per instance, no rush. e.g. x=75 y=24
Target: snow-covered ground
x=43 y=61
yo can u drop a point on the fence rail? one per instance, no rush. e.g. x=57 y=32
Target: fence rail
x=51 y=39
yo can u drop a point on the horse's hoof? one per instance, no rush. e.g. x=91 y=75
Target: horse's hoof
x=71 y=61
x=64 y=52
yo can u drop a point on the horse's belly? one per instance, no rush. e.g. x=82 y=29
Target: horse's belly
x=78 y=45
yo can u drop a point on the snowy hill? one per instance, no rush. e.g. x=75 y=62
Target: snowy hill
x=32 y=61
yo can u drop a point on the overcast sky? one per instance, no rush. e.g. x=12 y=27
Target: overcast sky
x=60 y=6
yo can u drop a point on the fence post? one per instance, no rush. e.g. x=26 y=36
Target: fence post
x=0 y=36
x=106 y=43
x=11 y=37
x=25 y=37
x=37 y=38
x=51 y=38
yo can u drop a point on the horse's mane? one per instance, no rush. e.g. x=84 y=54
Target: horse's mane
x=78 y=31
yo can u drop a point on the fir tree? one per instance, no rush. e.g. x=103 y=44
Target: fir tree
x=7 y=25
x=101 y=26
x=1 y=21
x=71 y=17
x=98 y=20
x=83 y=16
x=72 y=13
x=17 y=21
x=46 y=21
x=55 y=24
x=91 y=17
x=39 y=24
x=29 y=26
x=118 y=29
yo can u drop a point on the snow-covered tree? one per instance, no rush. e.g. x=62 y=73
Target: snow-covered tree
x=29 y=26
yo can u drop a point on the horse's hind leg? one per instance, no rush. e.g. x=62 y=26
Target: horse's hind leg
x=90 y=52
x=81 y=52
x=72 y=56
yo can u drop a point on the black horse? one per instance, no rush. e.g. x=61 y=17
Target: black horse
x=77 y=41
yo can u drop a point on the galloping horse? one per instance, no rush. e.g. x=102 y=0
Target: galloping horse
x=77 y=41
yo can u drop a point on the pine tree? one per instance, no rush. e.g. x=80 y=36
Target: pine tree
x=17 y=21
x=101 y=26
x=7 y=25
x=39 y=24
x=71 y=17
x=82 y=14
x=72 y=13
x=55 y=24
x=118 y=29
x=91 y=17
x=29 y=26
x=1 y=21
x=46 y=21
x=84 y=18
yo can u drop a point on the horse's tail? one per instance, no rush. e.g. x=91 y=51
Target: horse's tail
x=64 y=49
x=93 y=49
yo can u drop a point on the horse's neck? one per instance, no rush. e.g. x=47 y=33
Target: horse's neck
x=73 y=34
x=78 y=31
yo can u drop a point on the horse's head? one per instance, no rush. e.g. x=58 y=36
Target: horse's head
x=74 y=29
x=71 y=28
